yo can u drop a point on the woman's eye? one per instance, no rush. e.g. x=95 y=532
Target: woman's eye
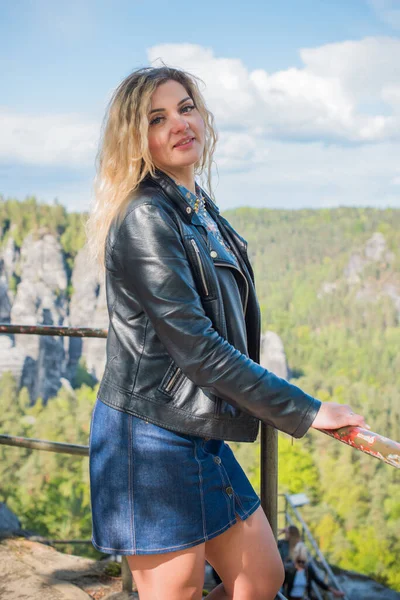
x=189 y=108
x=185 y=109
x=156 y=120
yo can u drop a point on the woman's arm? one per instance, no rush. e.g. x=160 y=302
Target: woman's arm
x=150 y=252
x=312 y=574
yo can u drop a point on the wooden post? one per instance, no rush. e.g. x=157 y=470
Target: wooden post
x=126 y=576
x=269 y=475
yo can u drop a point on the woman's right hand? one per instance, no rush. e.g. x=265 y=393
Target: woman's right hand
x=332 y=415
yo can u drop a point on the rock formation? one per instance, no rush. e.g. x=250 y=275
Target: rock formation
x=5 y=303
x=9 y=523
x=40 y=362
x=88 y=308
x=273 y=355
x=33 y=571
x=368 y=289
x=374 y=251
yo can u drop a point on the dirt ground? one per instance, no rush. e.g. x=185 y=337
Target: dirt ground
x=34 y=571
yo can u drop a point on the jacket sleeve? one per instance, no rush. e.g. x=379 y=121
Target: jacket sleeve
x=157 y=273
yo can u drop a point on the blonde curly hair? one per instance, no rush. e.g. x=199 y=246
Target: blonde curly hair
x=124 y=159
x=300 y=552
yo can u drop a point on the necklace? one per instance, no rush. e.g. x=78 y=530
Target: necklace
x=199 y=204
x=195 y=199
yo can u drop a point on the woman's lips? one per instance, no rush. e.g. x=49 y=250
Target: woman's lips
x=185 y=145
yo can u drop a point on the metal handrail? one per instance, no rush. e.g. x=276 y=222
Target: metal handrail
x=362 y=439
x=313 y=543
x=53 y=330
x=33 y=444
x=366 y=441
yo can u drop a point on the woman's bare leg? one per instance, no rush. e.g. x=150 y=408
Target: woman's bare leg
x=173 y=575
x=246 y=558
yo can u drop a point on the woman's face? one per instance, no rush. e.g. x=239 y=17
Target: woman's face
x=176 y=129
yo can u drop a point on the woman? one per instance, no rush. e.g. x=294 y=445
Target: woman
x=182 y=373
x=300 y=575
x=288 y=544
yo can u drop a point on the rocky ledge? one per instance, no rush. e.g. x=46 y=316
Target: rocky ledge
x=34 y=571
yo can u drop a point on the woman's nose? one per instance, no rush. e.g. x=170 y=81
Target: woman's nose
x=179 y=123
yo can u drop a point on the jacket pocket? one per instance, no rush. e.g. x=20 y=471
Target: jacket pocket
x=171 y=380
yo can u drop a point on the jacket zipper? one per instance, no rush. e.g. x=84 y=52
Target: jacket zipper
x=241 y=244
x=172 y=381
x=230 y=266
x=217 y=410
x=201 y=268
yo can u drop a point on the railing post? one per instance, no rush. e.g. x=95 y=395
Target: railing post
x=287 y=523
x=269 y=475
x=126 y=574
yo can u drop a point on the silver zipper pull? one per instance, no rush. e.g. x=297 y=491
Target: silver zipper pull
x=203 y=277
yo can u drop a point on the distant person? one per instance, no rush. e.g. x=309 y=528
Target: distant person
x=287 y=545
x=182 y=374
x=299 y=576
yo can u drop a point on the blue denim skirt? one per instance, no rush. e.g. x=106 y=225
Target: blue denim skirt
x=154 y=490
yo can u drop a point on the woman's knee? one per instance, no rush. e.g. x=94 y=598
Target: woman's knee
x=247 y=559
x=270 y=584
x=263 y=584
x=268 y=581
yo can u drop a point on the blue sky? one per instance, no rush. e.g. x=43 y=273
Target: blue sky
x=306 y=94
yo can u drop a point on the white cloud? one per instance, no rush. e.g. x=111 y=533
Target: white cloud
x=67 y=140
x=347 y=92
x=321 y=135
x=296 y=175
x=344 y=92
x=396 y=180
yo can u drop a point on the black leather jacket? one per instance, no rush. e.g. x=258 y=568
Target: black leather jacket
x=184 y=334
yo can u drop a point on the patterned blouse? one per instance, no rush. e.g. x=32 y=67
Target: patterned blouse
x=206 y=220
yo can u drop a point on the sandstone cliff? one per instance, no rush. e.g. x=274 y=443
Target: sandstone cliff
x=40 y=362
x=358 y=274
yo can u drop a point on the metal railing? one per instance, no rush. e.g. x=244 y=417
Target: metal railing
x=362 y=439
x=291 y=508
x=32 y=444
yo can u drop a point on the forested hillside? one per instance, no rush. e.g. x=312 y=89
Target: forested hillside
x=329 y=285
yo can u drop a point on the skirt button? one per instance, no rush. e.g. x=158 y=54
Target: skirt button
x=229 y=491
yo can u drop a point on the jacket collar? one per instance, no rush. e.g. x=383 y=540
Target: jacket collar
x=174 y=194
